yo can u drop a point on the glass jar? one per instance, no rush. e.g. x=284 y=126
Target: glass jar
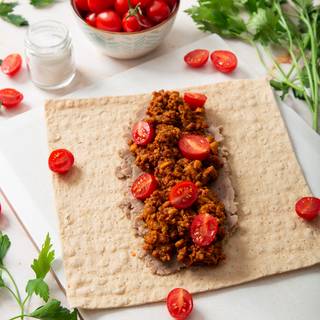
x=49 y=55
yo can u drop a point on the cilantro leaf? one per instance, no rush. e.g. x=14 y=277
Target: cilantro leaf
x=39 y=287
x=53 y=310
x=16 y=20
x=280 y=86
x=4 y=246
x=6 y=8
x=42 y=265
x=2 y=284
x=41 y=3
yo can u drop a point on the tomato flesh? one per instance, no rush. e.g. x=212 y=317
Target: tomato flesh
x=11 y=64
x=60 y=161
x=308 y=208
x=144 y=186
x=194 y=147
x=158 y=11
x=109 y=21
x=130 y=23
x=179 y=303
x=183 y=194
x=142 y=133
x=195 y=100
x=98 y=6
x=10 y=98
x=196 y=58
x=224 y=61
x=91 y=19
x=204 y=229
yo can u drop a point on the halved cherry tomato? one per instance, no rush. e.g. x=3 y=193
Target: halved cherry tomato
x=98 y=6
x=204 y=229
x=91 y=19
x=224 y=61
x=10 y=98
x=130 y=23
x=183 y=194
x=308 y=208
x=121 y=7
x=109 y=21
x=11 y=64
x=143 y=186
x=141 y=3
x=142 y=133
x=194 y=147
x=179 y=303
x=82 y=5
x=195 y=100
x=196 y=58
x=158 y=11
x=61 y=160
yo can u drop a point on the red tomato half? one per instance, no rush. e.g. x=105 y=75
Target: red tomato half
x=144 y=186
x=195 y=100
x=308 y=208
x=121 y=7
x=82 y=5
x=141 y=3
x=11 y=64
x=142 y=133
x=91 y=19
x=98 y=6
x=224 y=61
x=183 y=194
x=158 y=11
x=204 y=229
x=130 y=23
x=109 y=21
x=60 y=161
x=194 y=147
x=179 y=303
x=196 y=58
x=10 y=98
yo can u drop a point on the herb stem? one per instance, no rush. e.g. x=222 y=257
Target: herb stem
x=21 y=316
x=12 y=281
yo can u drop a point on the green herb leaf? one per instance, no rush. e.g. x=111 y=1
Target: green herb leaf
x=4 y=246
x=39 y=287
x=280 y=86
x=16 y=20
x=298 y=94
x=6 y=8
x=53 y=310
x=42 y=265
x=2 y=284
x=41 y=3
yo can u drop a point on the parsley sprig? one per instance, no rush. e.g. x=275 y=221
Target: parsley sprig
x=52 y=309
x=6 y=13
x=293 y=25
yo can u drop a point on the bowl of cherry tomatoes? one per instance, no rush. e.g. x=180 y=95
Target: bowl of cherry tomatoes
x=126 y=29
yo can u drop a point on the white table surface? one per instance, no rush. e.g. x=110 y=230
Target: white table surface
x=91 y=65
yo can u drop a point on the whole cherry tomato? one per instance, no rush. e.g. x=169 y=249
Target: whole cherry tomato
x=130 y=23
x=82 y=5
x=98 y=6
x=141 y=3
x=91 y=19
x=158 y=11
x=109 y=21
x=121 y=7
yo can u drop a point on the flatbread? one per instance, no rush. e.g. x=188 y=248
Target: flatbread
x=97 y=238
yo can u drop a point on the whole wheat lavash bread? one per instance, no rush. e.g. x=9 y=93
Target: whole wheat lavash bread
x=97 y=238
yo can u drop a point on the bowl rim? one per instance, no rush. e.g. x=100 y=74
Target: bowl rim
x=172 y=15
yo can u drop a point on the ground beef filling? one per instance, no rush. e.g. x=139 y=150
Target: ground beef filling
x=167 y=236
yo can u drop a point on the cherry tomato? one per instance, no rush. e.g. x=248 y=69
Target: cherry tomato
x=142 y=133
x=82 y=5
x=98 y=6
x=141 y=3
x=204 y=229
x=197 y=58
x=11 y=64
x=130 y=23
x=145 y=22
x=195 y=100
x=308 y=208
x=121 y=7
x=60 y=161
x=179 y=303
x=158 y=11
x=183 y=194
x=143 y=186
x=194 y=147
x=10 y=98
x=91 y=19
x=224 y=61
x=109 y=21
x=172 y=3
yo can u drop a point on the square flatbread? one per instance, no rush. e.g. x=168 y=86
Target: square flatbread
x=97 y=238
